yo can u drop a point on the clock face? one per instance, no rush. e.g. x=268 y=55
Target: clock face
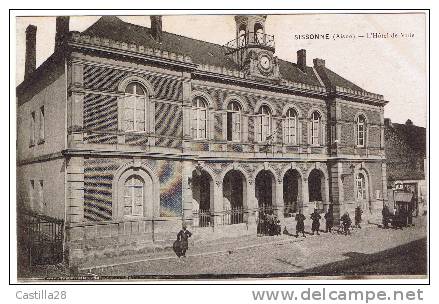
x=265 y=62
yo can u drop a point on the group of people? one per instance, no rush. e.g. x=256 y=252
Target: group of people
x=346 y=221
x=268 y=224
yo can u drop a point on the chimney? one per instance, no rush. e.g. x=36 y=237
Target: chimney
x=31 y=50
x=301 y=60
x=156 y=27
x=318 y=62
x=62 y=30
x=387 y=122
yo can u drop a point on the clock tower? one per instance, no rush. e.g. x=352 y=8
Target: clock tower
x=253 y=49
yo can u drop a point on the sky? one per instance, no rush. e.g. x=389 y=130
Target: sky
x=394 y=67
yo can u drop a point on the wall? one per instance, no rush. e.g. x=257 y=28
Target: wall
x=53 y=98
x=52 y=173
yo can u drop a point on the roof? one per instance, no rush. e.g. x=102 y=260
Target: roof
x=201 y=52
x=332 y=79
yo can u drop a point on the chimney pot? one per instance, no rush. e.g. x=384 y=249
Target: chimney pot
x=156 y=27
x=62 y=30
x=301 y=60
x=319 y=62
x=31 y=51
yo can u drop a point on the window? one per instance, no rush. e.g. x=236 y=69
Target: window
x=233 y=121
x=42 y=126
x=259 y=34
x=32 y=194
x=135 y=107
x=361 y=187
x=133 y=196
x=242 y=39
x=41 y=203
x=32 y=129
x=291 y=127
x=361 y=131
x=264 y=123
x=199 y=118
x=315 y=128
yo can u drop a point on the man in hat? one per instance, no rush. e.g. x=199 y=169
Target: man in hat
x=315 y=227
x=182 y=238
x=346 y=222
x=300 y=226
x=329 y=217
x=358 y=213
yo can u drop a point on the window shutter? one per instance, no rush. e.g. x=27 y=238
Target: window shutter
x=257 y=129
x=284 y=131
x=210 y=125
x=323 y=136
x=224 y=125
x=299 y=132
x=244 y=128
x=309 y=132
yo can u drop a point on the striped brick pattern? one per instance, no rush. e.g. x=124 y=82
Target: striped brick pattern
x=107 y=80
x=169 y=125
x=98 y=179
x=100 y=114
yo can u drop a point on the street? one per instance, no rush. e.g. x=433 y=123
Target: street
x=368 y=251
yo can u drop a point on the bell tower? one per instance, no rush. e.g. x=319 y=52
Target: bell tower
x=253 y=49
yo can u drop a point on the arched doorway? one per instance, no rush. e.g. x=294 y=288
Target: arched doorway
x=202 y=198
x=234 y=195
x=316 y=189
x=292 y=189
x=265 y=189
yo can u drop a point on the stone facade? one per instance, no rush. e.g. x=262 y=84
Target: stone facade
x=216 y=185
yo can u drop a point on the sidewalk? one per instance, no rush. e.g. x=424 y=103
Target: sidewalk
x=226 y=245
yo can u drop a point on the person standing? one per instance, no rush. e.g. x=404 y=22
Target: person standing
x=182 y=238
x=386 y=216
x=346 y=222
x=315 y=227
x=300 y=225
x=329 y=217
x=358 y=213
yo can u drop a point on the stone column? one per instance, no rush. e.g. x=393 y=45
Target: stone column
x=186 y=108
x=75 y=105
x=218 y=205
x=74 y=208
x=305 y=195
x=187 y=192
x=252 y=205
x=337 y=192
x=280 y=204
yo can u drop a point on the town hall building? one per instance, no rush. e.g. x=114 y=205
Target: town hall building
x=125 y=132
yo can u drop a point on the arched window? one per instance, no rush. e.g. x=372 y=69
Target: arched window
x=361 y=187
x=135 y=105
x=242 y=39
x=133 y=196
x=315 y=128
x=259 y=33
x=291 y=127
x=199 y=118
x=264 y=123
x=233 y=121
x=361 y=131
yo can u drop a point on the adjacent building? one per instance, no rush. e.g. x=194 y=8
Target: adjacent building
x=126 y=131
